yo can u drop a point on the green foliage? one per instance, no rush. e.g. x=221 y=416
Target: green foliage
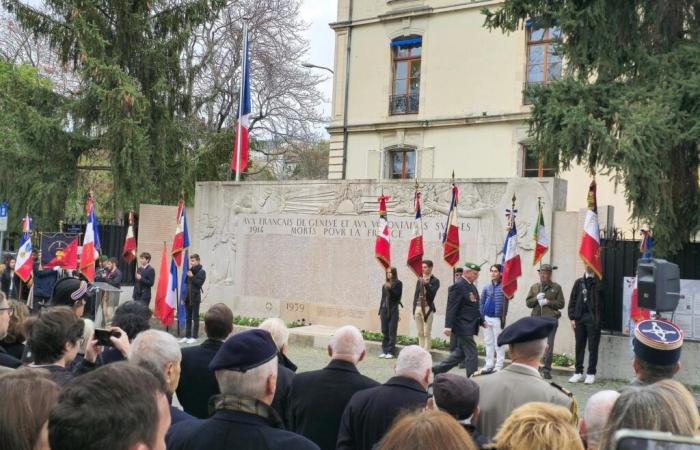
x=38 y=155
x=628 y=104
x=313 y=162
x=131 y=101
x=562 y=360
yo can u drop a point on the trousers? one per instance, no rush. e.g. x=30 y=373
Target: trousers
x=192 y=320
x=424 y=327
x=490 y=339
x=587 y=332
x=550 y=349
x=390 y=325
x=465 y=350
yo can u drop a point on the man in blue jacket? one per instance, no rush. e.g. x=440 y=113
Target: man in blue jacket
x=463 y=319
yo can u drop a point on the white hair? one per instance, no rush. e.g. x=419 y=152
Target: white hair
x=156 y=348
x=412 y=362
x=278 y=329
x=252 y=383
x=596 y=414
x=347 y=343
x=88 y=331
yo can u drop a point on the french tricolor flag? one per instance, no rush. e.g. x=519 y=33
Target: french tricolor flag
x=511 y=262
x=589 y=251
x=181 y=239
x=90 y=243
x=168 y=312
x=415 y=247
x=24 y=264
x=239 y=160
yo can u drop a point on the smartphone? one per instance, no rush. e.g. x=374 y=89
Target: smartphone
x=653 y=440
x=102 y=335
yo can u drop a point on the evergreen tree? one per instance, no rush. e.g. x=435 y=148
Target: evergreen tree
x=131 y=100
x=628 y=103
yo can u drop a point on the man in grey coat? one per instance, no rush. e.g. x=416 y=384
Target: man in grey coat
x=519 y=383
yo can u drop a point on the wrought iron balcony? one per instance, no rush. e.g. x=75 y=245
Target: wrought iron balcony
x=404 y=104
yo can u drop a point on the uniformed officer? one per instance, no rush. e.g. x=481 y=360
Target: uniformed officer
x=463 y=319
x=520 y=382
x=546 y=299
x=657 y=351
x=246 y=370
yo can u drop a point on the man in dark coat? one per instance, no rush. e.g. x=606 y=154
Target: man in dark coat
x=145 y=278
x=9 y=281
x=197 y=382
x=317 y=399
x=424 y=303
x=584 y=313
x=371 y=412
x=285 y=367
x=459 y=397
x=195 y=280
x=246 y=369
x=463 y=319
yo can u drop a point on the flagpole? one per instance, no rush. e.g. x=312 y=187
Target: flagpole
x=454 y=269
x=241 y=94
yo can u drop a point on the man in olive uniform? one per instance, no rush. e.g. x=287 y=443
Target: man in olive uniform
x=546 y=298
x=520 y=382
x=463 y=318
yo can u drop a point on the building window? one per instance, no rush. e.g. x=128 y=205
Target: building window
x=543 y=63
x=402 y=164
x=535 y=167
x=406 y=60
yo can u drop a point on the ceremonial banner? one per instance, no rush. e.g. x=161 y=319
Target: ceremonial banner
x=164 y=283
x=450 y=240
x=589 y=251
x=415 y=247
x=239 y=159
x=129 y=251
x=382 y=244
x=511 y=263
x=25 y=264
x=89 y=254
x=59 y=250
x=183 y=289
x=181 y=239
x=540 y=236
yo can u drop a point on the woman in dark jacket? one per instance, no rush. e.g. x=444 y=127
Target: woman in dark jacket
x=389 y=311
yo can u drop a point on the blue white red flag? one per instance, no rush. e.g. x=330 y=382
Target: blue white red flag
x=511 y=260
x=89 y=254
x=181 y=239
x=239 y=160
x=168 y=311
x=25 y=263
x=183 y=289
x=450 y=240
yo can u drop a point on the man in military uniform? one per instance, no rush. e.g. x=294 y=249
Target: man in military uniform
x=546 y=299
x=463 y=319
x=246 y=370
x=657 y=351
x=520 y=382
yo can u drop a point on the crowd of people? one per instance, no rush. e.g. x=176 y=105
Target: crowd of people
x=67 y=387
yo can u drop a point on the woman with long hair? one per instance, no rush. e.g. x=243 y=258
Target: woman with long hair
x=389 y=311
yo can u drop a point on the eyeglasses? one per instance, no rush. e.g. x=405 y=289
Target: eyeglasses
x=9 y=309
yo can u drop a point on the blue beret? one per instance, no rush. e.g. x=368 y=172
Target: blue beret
x=527 y=329
x=244 y=351
x=658 y=342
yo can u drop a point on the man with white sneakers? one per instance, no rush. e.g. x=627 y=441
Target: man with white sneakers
x=584 y=313
x=493 y=309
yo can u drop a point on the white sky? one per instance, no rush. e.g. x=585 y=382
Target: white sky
x=319 y=13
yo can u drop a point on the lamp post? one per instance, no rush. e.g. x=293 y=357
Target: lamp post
x=314 y=66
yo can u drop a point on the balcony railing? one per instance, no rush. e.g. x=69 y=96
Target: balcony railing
x=403 y=104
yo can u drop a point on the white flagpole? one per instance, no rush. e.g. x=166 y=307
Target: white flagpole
x=241 y=94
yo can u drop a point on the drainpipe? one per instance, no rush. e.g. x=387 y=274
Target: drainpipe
x=347 y=93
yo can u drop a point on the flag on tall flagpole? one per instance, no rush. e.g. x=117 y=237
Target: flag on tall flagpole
x=415 y=247
x=129 y=250
x=25 y=263
x=647 y=244
x=181 y=239
x=450 y=240
x=89 y=254
x=540 y=236
x=589 y=250
x=170 y=297
x=382 y=245
x=511 y=259
x=183 y=289
x=163 y=311
x=239 y=159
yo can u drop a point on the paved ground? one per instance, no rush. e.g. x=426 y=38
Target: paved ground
x=309 y=358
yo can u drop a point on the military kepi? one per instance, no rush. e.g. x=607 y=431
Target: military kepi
x=526 y=329
x=244 y=351
x=472 y=266
x=658 y=342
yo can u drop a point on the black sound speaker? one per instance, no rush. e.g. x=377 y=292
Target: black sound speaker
x=658 y=285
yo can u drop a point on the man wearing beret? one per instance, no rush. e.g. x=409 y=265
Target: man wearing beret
x=520 y=382
x=546 y=299
x=657 y=351
x=463 y=319
x=246 y=370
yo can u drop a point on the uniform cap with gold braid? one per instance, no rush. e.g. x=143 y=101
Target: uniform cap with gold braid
x=658 y=342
